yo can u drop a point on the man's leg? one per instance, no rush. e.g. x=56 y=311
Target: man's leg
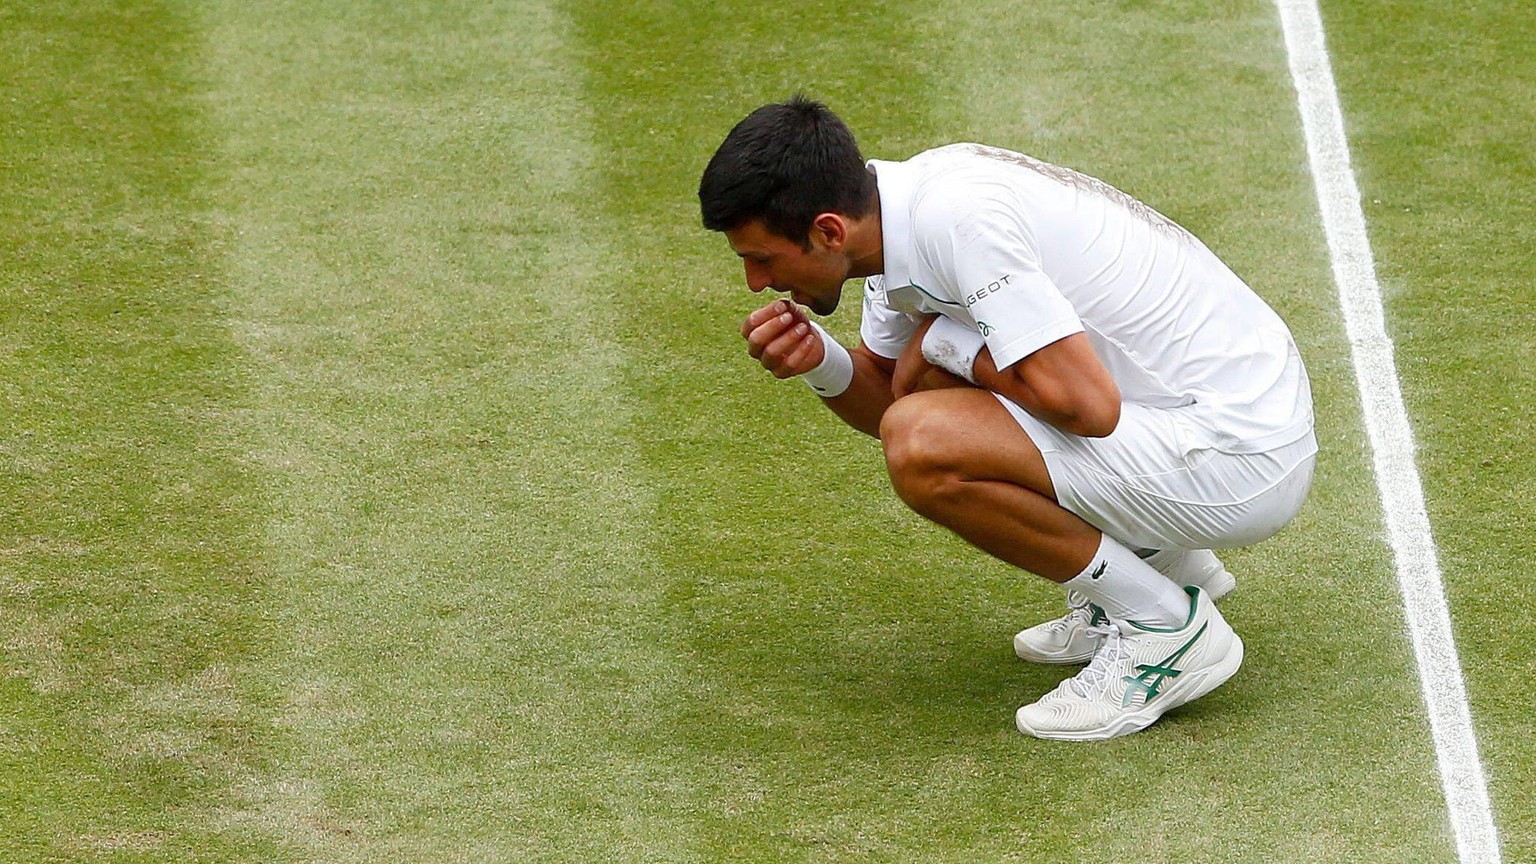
x=958 y=457
x=1198 y=567
x=1074 y=637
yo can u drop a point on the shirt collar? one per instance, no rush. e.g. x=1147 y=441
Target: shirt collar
x=895 y=181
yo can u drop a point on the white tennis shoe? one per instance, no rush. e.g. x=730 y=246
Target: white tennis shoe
x=1072 y=637
x=1138 y=674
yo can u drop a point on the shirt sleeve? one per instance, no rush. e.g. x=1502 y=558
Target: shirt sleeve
x=998 y=278
x=884 y=330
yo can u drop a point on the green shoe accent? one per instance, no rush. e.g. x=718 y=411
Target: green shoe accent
x=1151 y=676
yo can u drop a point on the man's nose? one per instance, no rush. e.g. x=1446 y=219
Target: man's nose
x=758 y=278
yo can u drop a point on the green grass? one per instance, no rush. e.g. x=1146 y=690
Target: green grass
x=1438 y=122
x=130 y=564
x=384 y=478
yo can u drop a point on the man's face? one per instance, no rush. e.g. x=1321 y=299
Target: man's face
x=811 y=277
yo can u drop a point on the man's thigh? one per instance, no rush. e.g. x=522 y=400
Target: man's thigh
x=1156 y=482
x=964 y=429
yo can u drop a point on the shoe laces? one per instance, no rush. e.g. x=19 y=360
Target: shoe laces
x=1080 y=608
x=1105 y=664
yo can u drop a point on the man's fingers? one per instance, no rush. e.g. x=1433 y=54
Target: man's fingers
x=758 y=317
x=768 y=313
x=776 y=353
x=770 y=330
x=806 y=356
x=779 y=336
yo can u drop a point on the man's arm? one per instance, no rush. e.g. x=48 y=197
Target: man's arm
x=779 y=335
x=864 y=402
x=1063 y=384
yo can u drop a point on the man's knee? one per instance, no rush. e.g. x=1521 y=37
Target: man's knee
x=917 y=434
x=937 y=441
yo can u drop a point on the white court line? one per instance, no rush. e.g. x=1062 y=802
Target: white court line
x=1386 y=420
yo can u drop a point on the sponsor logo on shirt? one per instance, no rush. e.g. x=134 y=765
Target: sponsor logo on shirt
x=990 y=288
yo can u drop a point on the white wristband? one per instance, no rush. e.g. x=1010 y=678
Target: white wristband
x=835 y=371
x=953 y=347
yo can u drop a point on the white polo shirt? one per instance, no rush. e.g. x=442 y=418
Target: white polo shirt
x=1028 y=253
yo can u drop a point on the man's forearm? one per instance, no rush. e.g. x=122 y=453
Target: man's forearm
x=868 y=395
x=1070 y=401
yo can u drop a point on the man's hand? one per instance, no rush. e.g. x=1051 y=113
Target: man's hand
x=779 y=335
x=914 y=372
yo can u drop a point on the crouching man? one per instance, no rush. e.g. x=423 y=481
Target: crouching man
x=1057 y=372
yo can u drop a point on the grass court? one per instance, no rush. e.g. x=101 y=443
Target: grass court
x=383 y=477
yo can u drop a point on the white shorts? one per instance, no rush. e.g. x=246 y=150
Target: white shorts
x=1157 y=482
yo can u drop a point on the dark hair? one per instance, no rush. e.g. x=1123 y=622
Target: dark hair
x=785 y=164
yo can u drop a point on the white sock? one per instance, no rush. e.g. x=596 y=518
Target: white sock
x=1126 y=587
x=1198 y=567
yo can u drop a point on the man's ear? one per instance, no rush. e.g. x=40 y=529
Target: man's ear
x=829 y=231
